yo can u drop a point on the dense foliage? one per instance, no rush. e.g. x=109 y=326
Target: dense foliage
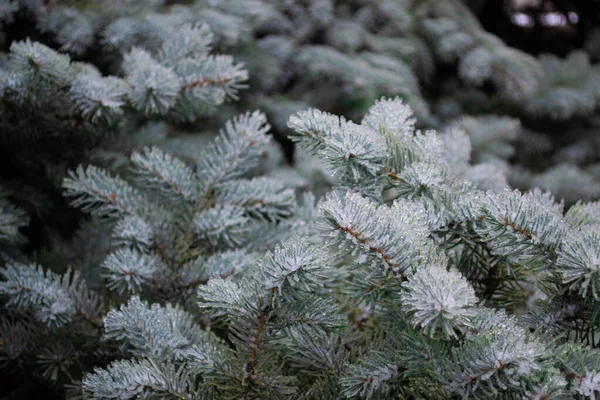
x=160 y=239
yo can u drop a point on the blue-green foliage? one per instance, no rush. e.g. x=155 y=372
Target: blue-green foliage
x=427 y=287
x=420 y=274
x=171 y=219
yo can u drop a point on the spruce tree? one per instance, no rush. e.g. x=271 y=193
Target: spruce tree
x=444 y=247
x=422 y=285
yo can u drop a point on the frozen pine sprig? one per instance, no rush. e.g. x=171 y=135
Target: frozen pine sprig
x=225 y=225
x=53 y=299
x=404 y=362
x=95 y=191
x=581 y=367
x=498 y=358
x=358 y=157
x=99 y=99
x=190 y=42
x=351 y=151
x=390 y=116
x=579 y=262
x=420 y=179
x=133 y=231
x=375 y=376
x=267 y=308
x=180 y=80
x=293 y=265
x=169 y=351
x=261 y=197
x=30 y=287
x=157 y=169
x=148 y=331
x=220 y=265
x=50 y=320
x=39 y=65
x=155 y=88
x=377 y=233
x=12 y=219
x=236 y=149
x=520 y=226
x=439 y=301
x=551 y=385
x=314 y=125
x=127 y=379
x=128 y=269
x=584 y=214
x=425 y=147
x=372 y=157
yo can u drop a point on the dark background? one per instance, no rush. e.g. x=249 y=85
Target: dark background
x=553 y=26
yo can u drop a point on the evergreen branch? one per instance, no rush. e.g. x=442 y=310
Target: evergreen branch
x=128 y=269
x=518 y=226
x=215 y=72
x=579 y=262
x=497 y=358
x=159 y=170
x=391 y=117
x=375 y=376
x=581 y=368
x=133 y=231
x=99 y=99
x=263 y=198
x=220 y=265
x=39 y=64
x=584 y=214
x=294 y=267
x=393 y=238
x=150 y=331
x=96 y=192
x=235 y=151
x=12 y=219
x=351 y=150
x=190 y=42
x=155 y=88
x=56 y=300
x=438 y=300
x=225 y=224
x=134 y=379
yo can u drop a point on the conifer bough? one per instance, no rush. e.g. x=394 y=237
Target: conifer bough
x=421 y=285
